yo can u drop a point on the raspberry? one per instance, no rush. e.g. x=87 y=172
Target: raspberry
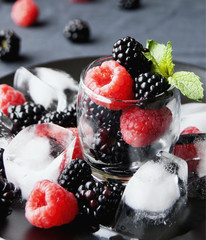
x=9 y=96
x=188 y=152
x=77 y=153
x=190 y=130
x=141 y=127
x=110 y=80
x=50 y=205
x=25 y=12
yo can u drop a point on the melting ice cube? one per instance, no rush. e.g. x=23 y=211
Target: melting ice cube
x=155 y=194
x=37 y=152
x=6 y=126
x=193 y=114
x=52 y=88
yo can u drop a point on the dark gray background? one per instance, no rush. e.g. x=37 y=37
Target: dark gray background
x=180 y=21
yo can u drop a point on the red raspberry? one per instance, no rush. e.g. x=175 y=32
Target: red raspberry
x=61 y=135
x=9 y=96
x=188 y=152
x=25 y=12
x=190 y=130
x=77 y=148
x=110 y=80
x=50 y=205
x=140 y=127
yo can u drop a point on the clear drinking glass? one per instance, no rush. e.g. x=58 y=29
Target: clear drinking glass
x=102 y=136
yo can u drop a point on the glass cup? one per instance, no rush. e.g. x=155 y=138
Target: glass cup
x=104 y=135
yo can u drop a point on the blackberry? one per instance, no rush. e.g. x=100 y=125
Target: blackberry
x=8 y=194
x=128 y=4
x=107 y=145
x=25 y=115
x=67 y=118
x=148 y=85
x=2 y=171
x=77 y=30
x=101 y=117
x=107 y=148
x=98 y=201
x=9 y=45
x=76 y=173
x=128 y=52
x=196 y=188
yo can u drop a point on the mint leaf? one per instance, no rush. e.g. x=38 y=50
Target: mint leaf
x=188 y=83
x=166 y=63
x=161 y=57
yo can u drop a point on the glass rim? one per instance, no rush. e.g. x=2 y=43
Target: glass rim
x=106 y=99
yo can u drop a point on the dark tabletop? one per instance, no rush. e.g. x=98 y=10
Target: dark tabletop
x=180 y=21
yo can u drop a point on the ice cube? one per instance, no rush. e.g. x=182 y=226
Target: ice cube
x=6 y=126
x=52 y=88
x=193 y=114
x=201 y=150
x=37 y=152
x=196 y=158
x=153 y=196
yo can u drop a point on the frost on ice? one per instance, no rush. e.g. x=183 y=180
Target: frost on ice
x=193 y=114
x=156 y=193
x=37 y=152
x=52 y=88
x=6 y=126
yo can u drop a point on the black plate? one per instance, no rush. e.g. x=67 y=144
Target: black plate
x=16 y=227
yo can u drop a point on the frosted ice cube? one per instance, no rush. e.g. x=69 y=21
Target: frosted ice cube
x=196 y=161
x=37 y=152
x=52 y=88
x=153 y=196
x=201 y=150
x=193 y=114
x=6 y=126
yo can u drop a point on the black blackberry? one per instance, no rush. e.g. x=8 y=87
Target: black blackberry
x=148 y=85
x=107 y=145
x=25 y=115
x=2 y=171
x=76 y=173
x=197 y=188
x=101 y=117
x=98 y=201
x=77 y=30
x=9 y=45
x=128 y=52
x=67 y=118
x=8 y=193
x=128 y=4
x=109 y=148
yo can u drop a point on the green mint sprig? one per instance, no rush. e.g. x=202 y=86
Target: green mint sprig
x=187 y=82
